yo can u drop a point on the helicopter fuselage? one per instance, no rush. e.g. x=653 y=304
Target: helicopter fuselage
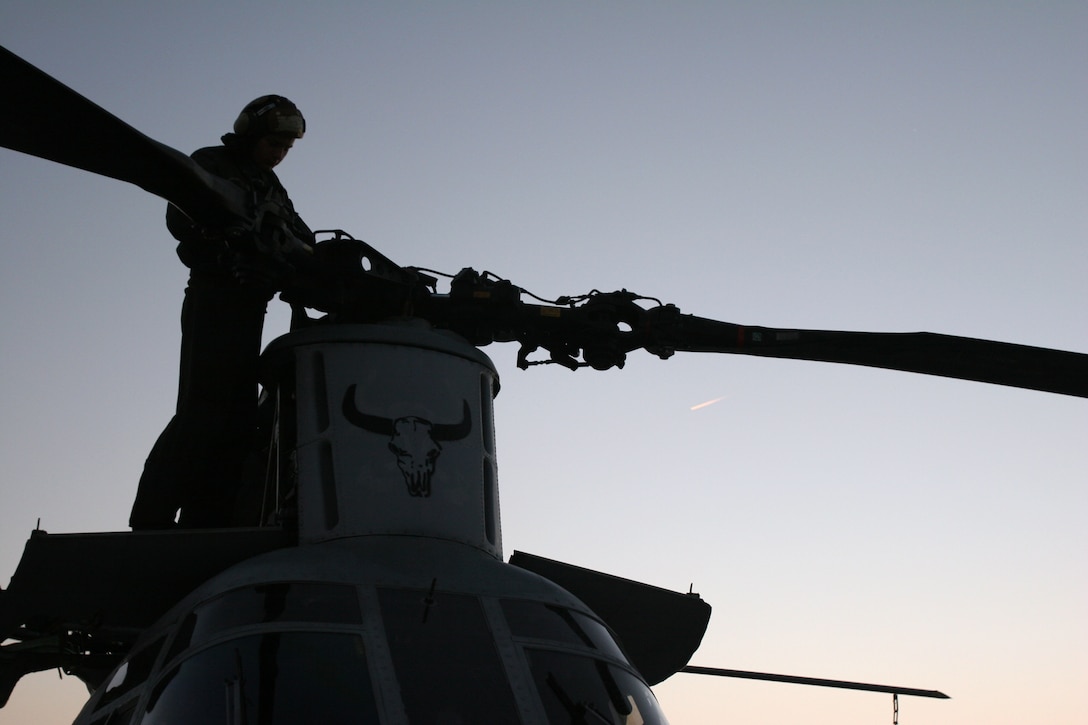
x=395 y=605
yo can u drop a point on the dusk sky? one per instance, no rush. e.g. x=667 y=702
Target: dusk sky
x=843 y=165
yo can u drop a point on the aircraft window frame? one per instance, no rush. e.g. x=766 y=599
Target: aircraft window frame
x=246 y=649
x=565 y=698
x=228 y=611
x=120 y=714
x=427 y=629
x=136 y=669
x=560 y=625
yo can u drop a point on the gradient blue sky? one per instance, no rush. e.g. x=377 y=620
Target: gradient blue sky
x=836 y=165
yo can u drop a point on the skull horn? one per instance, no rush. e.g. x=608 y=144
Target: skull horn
x=372 y=423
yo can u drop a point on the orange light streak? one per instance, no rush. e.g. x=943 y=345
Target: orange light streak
x=709 y=402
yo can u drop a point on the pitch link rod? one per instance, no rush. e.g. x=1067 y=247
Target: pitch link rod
x=842 y=684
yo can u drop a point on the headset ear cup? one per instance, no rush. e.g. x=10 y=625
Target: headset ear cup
x=251 y=115
x=242 y=123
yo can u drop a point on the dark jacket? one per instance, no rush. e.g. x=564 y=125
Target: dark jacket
x=203 y=249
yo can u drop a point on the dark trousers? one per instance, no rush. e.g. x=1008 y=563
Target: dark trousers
x=196 y=464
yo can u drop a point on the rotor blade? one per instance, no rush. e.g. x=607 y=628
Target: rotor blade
x=815 y=681
x=51 y=121
x=965 y=358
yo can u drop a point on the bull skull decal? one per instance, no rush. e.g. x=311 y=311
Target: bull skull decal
x=415 y=442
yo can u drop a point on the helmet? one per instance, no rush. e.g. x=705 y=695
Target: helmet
x=270 y=115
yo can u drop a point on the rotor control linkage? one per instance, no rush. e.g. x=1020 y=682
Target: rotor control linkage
x=352 y=282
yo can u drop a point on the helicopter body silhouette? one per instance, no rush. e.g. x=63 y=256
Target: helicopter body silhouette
x=371 y=601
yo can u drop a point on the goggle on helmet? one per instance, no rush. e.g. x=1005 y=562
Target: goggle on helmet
x=270 y=115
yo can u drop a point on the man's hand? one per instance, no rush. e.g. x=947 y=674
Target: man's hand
x=256 y=270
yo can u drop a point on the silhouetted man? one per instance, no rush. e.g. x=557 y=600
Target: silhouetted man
x=197 y=462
